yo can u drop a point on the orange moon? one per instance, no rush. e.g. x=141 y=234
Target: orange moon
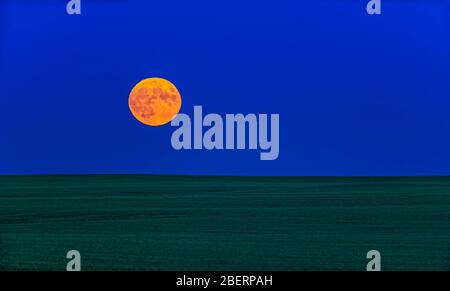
x=154 y=101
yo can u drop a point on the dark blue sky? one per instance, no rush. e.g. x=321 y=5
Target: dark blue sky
x=356 y=94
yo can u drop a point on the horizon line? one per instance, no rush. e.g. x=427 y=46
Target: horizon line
x=228 y=176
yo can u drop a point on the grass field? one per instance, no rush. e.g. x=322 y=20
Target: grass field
x=140 y=222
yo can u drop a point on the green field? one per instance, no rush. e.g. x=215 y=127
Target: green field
x=144 y=222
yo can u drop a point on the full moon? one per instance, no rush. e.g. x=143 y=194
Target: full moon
x=154 y=101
